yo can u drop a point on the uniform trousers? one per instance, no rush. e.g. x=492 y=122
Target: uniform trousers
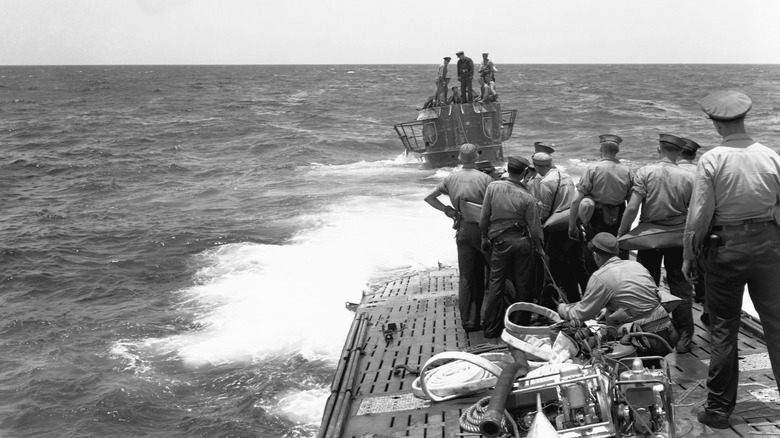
x=566 y=265
x=466 y=91
x=682 y=316
x=598 y=225
x=441 y=90
x=746 y=257
x=510 y=259
x=471 y=264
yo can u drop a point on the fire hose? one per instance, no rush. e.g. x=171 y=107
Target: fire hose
x=468 y=373
x=491 y=424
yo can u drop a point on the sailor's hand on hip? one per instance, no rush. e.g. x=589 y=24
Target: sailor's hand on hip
x=573 y=233
x=450 y=212
x=689 y=271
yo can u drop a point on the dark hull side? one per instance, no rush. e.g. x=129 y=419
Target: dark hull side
x=438 y=133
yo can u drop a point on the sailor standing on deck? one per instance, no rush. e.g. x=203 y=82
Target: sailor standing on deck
x=686 y=162
x=539 y=146
x=555 y=192
x=688 y=154
x=733 y=218
x=467 y=184
x=663 y=191
x=465 y=76
x=602 y=192
x=511 y=231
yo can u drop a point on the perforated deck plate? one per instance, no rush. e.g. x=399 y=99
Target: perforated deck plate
x=392 y=403
x=426 y=306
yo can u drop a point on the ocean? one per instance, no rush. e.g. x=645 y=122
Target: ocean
x=177 y=243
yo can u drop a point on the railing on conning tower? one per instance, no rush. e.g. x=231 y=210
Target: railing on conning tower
x=434 y=130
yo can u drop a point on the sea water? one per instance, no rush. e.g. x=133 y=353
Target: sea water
x=178 y=243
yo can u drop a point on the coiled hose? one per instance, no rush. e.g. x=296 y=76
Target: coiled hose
x=472 y=417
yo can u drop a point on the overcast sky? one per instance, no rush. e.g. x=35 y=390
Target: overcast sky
x=387 y=32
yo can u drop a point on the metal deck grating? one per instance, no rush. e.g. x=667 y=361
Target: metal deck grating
x=424 y=307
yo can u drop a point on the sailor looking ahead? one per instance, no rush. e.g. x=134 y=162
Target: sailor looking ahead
x=663 y=191
x=466 y=185
x=555 y=192
x=688 y=154
x=732 y=218
x=603 y=190
x=511 y=231
x=465 y=76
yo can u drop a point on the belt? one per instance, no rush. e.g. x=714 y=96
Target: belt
x=658 y=325
x=600 y=206
x=746 y=225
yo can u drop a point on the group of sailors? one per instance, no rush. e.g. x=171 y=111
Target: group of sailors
x=465 y=69
x=727 y=203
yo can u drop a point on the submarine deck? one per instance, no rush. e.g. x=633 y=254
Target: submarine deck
x=424 y=308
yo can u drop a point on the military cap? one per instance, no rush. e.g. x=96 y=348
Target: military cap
x=672 y=140
x=468 y=153
x=459 y=52
x=485 y=54
x=726 y=105
x=541 y=159
x=605 y=242
x=539 y=146
x=447 y=58
x=603 y=138
x=517 y=164
x=690 y=145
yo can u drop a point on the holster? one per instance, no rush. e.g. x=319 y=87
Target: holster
x=610 y=214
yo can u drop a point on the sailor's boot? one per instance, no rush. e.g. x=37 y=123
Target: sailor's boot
x=682 y=317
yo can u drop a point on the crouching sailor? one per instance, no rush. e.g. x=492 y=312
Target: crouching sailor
x=628 y=293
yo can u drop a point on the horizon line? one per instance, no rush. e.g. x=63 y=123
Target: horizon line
x=359 y=64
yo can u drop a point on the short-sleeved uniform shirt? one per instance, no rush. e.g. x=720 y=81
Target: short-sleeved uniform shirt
x=687 y=165
x=732 y=184
x=666 y=192
x=554 y=182
x=465 y=184
x=607 y=182
x=508 y=203
x=619 y=284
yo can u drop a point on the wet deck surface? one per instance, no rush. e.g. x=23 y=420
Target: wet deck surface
x=424 y=307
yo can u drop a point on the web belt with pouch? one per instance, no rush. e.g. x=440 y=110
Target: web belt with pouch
x=609 y=213
x=515 y=226
x=714 y=240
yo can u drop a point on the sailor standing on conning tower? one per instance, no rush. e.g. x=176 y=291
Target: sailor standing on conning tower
x=465 y=76
x=442 y=82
